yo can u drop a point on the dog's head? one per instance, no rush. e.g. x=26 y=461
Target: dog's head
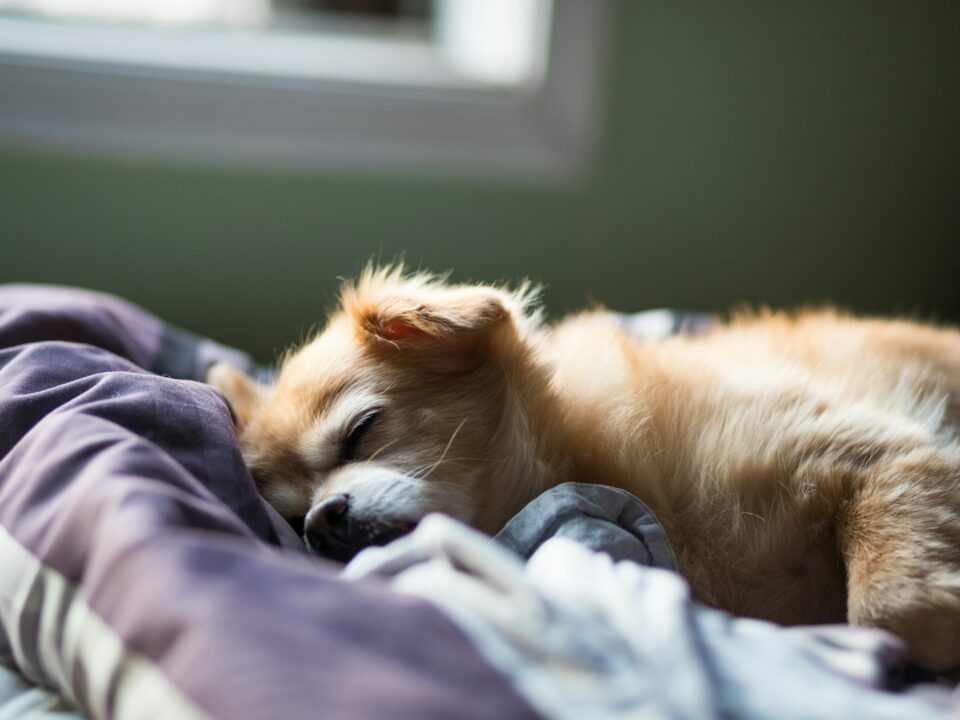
x=401 y=406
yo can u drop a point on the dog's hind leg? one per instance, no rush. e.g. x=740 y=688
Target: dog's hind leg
x=900 y=536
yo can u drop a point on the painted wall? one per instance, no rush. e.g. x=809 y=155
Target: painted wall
x=763 y=152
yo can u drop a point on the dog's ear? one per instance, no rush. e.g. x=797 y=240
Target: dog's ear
x=447 y=329
x=457 y=314
x=241 y=391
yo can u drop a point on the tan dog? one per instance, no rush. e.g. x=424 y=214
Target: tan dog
x=806 y=467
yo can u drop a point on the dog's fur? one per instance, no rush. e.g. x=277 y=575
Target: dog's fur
x=806 y=467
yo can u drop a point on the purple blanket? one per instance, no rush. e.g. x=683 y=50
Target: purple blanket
x=140 y=573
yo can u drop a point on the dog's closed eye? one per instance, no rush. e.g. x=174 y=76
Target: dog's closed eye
x=350 y=445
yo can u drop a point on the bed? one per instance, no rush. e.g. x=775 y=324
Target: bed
x=142 y=576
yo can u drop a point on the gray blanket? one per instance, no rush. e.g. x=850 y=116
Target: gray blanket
x=599 y=517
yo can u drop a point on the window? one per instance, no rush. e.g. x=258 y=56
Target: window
x=452 y=85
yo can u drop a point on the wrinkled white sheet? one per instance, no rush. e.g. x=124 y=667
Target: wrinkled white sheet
x=582 y=636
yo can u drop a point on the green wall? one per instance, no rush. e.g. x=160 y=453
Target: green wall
x=764 y=152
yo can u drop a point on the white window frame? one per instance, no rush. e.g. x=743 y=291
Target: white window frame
x=78 y=92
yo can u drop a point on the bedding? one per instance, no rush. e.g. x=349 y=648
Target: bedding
x=582 y=635
x=142 y=576
x=601 y=518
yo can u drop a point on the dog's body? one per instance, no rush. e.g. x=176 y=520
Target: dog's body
x=805 y=467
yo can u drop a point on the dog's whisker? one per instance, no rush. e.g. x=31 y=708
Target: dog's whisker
x=500 y=461
x=417 y=472
x=453 y=436
x=382 y=448
x=422 y=471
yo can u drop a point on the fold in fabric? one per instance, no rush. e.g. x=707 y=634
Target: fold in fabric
x=581 y=635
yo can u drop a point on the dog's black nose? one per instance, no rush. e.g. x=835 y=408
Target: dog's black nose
x=337 y=531
x=323 y=520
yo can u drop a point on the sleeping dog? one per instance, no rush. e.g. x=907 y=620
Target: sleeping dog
x=806 y=467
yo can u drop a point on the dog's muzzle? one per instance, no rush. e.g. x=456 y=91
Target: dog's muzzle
x=333 y=531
